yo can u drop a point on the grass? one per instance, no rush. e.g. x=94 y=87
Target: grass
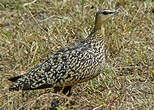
x=32 y=30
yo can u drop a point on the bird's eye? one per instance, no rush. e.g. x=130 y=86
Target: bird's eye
x=107 y=13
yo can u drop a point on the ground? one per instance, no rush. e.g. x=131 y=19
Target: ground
x=31 y=30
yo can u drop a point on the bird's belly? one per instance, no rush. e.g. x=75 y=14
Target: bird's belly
x=81 y=76
x=83 y=70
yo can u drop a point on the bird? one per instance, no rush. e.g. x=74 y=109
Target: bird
x=70 y=65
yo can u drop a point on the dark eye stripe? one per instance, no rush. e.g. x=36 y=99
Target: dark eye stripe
x=106 y=13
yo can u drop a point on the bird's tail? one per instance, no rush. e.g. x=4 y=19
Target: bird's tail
x=14 y=78
x=26 y=83
x=18 y=83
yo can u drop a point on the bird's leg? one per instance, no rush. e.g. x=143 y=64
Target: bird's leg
x=55 y=102
x=67 y=90
x=57 y=89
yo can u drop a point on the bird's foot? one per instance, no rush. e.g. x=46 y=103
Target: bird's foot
x=54 y=104
x=69 y=101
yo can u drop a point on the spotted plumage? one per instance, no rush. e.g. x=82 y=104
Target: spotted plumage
x=70 y=65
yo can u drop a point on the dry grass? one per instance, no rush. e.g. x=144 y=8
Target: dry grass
x=32 y=30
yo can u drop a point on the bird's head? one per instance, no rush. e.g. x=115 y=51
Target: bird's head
x=102 y=16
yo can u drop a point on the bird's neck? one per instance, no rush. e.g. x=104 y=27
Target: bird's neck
x=96 y=37
x=102 y=30
x=97 y=33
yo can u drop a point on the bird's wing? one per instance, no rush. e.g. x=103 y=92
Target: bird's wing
x=59 y=69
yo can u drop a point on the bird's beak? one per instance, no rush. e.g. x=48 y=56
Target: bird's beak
x=115 y=12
